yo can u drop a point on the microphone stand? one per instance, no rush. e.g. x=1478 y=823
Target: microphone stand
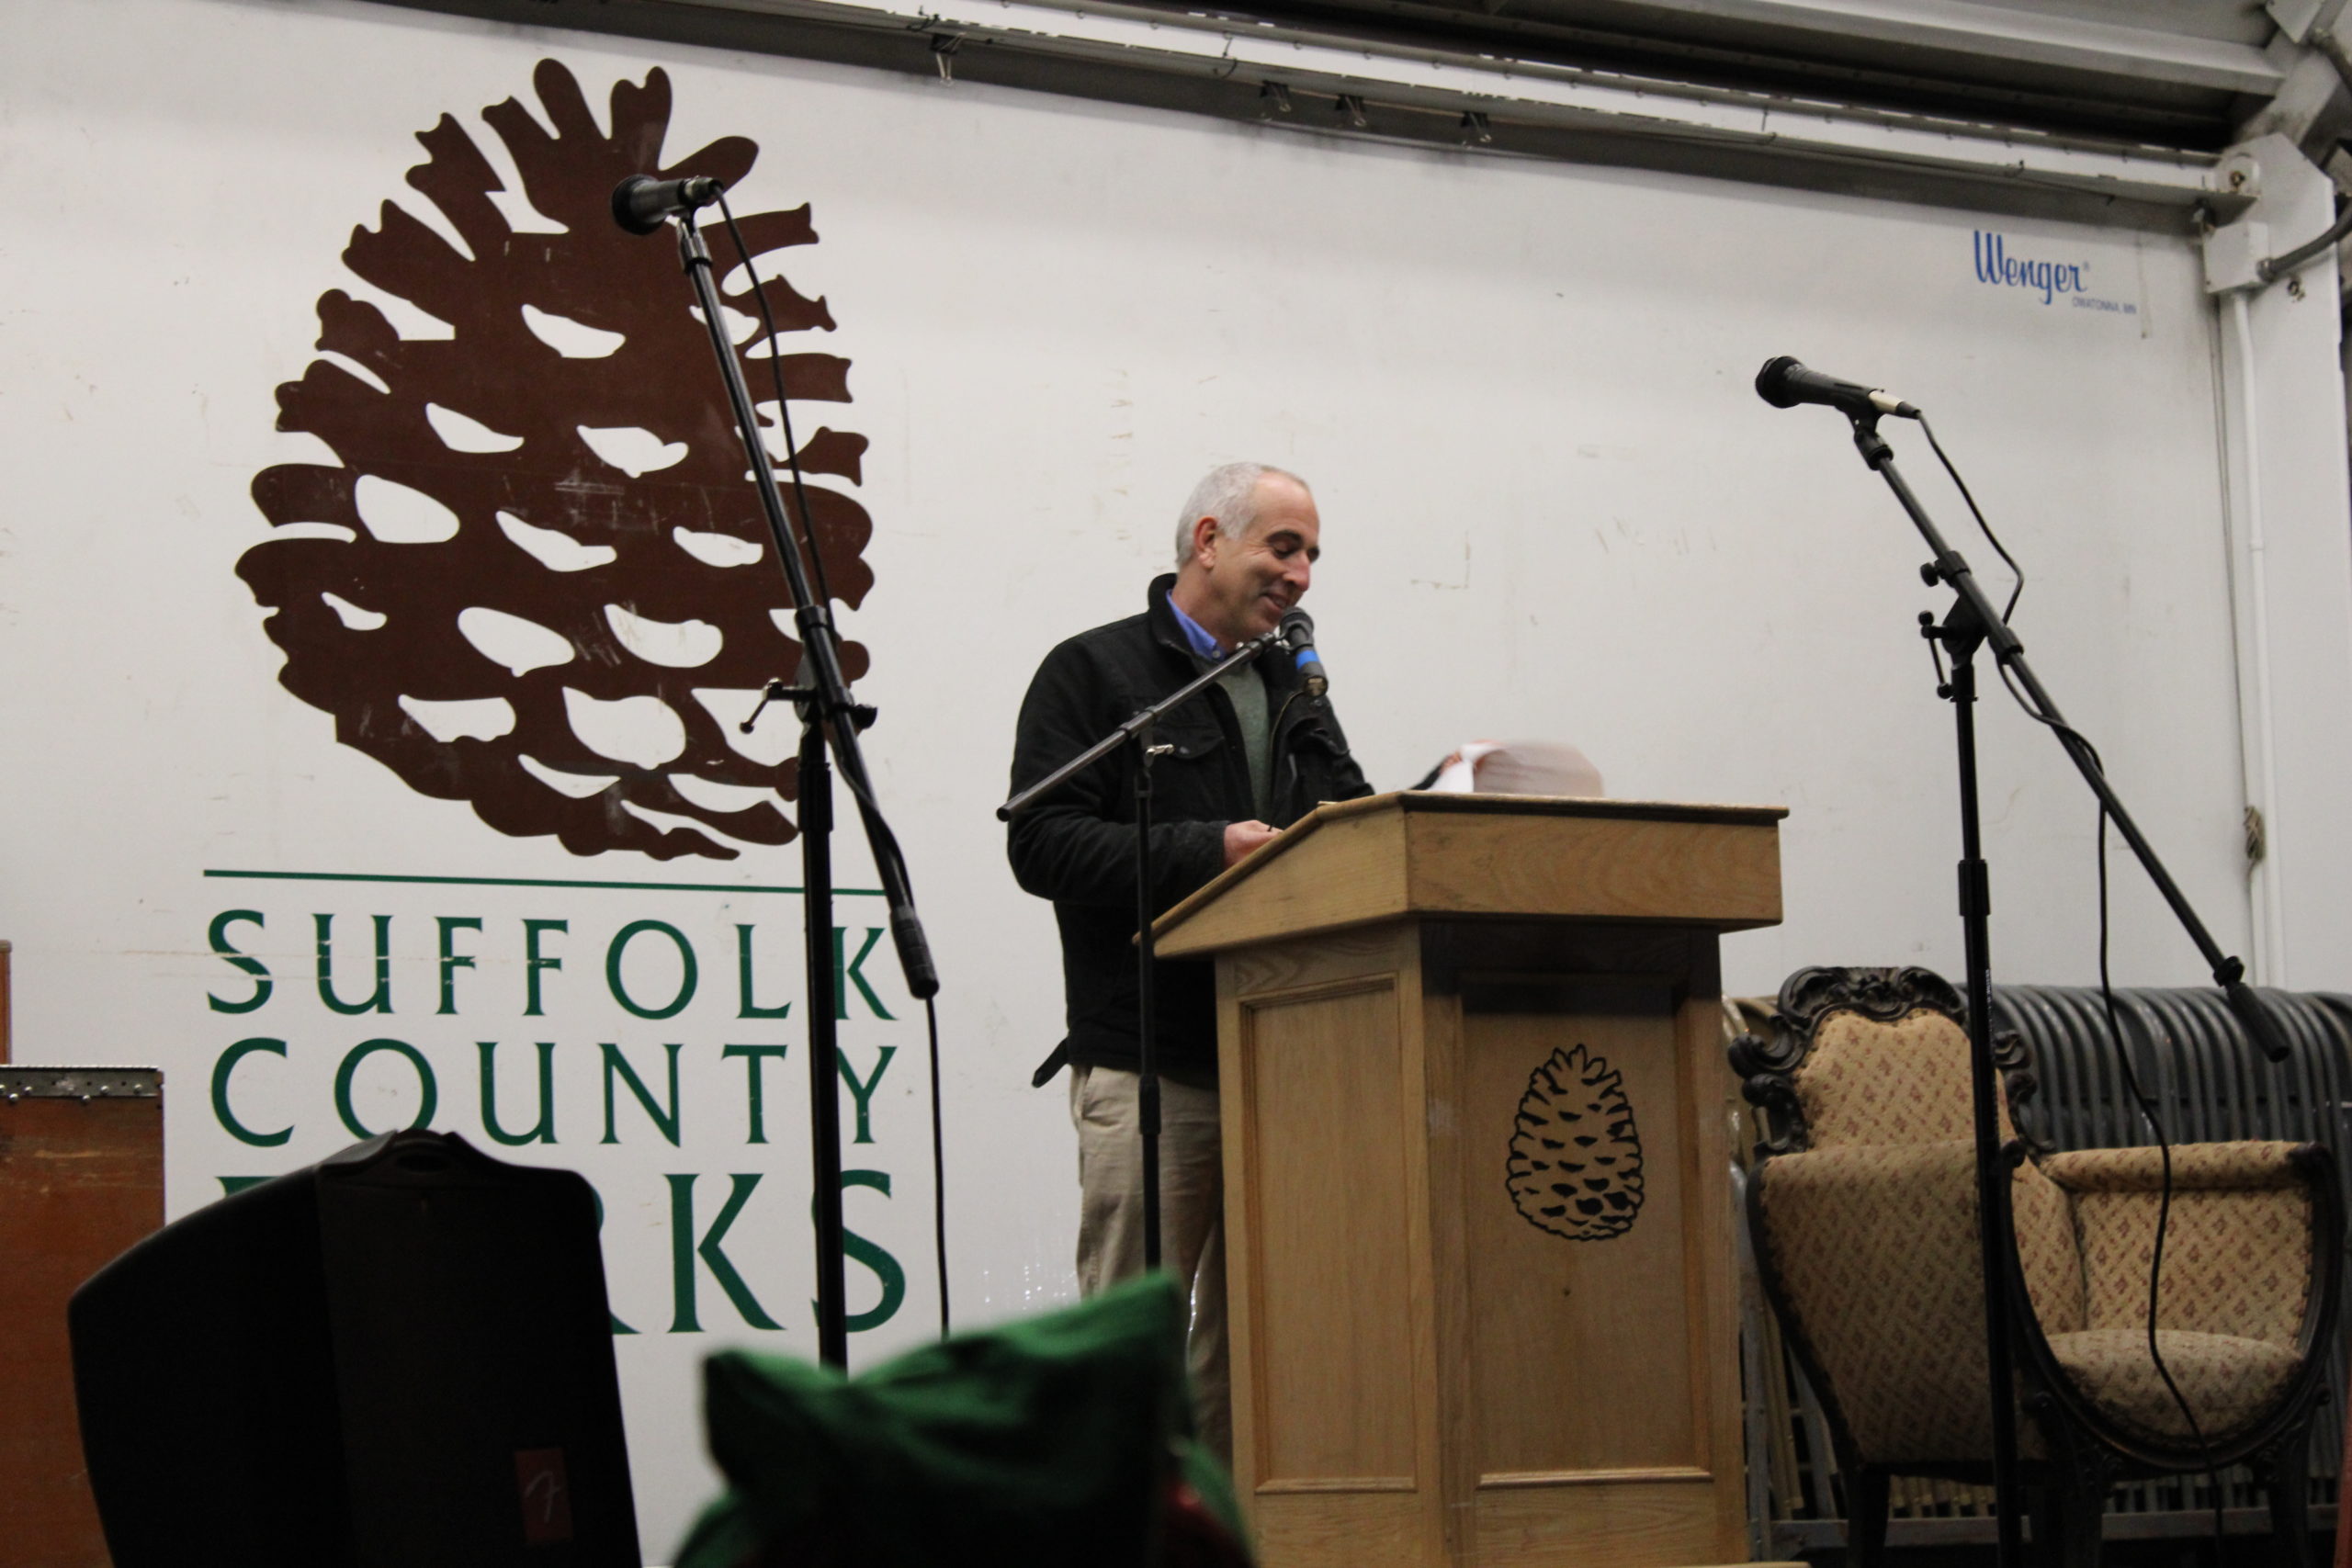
x=1138 y=728
x=829 y=717
x=1972 y=623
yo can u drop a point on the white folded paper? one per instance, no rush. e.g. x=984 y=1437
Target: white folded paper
x=1518 y=767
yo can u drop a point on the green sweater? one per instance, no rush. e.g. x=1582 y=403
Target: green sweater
x=1246 y=689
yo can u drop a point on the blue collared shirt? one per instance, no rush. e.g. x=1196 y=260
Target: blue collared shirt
x=1205 y=645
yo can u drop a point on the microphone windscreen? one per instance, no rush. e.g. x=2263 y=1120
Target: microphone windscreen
x=1772 y=381
x=629 y=210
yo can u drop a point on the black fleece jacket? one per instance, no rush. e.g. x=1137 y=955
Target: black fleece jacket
x=1077 y=846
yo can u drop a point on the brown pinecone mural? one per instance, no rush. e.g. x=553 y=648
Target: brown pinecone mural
x=538 y=580
x=1575 y=1157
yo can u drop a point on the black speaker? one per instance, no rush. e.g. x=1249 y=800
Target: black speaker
x=397 y=1357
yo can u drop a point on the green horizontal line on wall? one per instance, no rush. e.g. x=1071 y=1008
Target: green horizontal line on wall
x=530 y=882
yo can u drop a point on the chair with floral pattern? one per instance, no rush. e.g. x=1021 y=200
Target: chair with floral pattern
x=1861 y=1206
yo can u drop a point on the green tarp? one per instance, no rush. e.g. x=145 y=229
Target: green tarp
x=1059 y=1440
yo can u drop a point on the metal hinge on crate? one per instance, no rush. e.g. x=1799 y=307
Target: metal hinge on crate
x=80 y=1083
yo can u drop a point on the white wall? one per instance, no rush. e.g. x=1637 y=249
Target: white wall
x=1553 y=507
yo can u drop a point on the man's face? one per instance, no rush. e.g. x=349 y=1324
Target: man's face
x=1247 y=583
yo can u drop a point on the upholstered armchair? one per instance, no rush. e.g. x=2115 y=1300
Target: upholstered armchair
x=1861 y=1206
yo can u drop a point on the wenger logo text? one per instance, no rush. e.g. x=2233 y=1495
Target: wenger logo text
x=1996 y=266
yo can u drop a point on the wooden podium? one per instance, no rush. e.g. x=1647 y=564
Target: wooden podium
x=1478 y=1210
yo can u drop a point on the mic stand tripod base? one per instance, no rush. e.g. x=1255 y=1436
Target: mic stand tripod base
x=814 y=786
x=1962 y=635
x=1147 y=1023
x=1972 y=624
x=1137 y=727
x=830 y=720
x=1968 y=626
x=816 y=796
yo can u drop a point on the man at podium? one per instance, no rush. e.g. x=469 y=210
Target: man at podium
x=1253 y=754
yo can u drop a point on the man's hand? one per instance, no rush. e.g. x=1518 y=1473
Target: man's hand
x=1241 y=838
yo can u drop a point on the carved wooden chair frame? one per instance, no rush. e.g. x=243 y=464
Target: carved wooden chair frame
x=2089 y=1454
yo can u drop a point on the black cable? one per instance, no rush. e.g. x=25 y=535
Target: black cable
x=883 y=841
x=878 y=830
x=2147 y=1105
x=938 y=1166
x=783 y=405
x=2079 y=743
x=2074 y=740
x=1990 y=537
x=878 y=834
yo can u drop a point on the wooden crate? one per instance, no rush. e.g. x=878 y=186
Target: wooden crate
x=81 y=1179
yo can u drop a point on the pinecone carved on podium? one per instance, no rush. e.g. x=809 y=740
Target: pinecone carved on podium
x=538 y=578
x=1576 y=1155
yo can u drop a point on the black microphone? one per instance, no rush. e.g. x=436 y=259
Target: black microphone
x=1298 y=635
x=1784 y=384
x=642 y=204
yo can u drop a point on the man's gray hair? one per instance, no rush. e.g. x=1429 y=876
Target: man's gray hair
x=1230 y=494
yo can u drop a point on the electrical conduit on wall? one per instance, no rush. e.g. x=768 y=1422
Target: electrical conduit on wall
x=2259 y=734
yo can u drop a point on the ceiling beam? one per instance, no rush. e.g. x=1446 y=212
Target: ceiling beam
x=1998 y=33
x=1289 y=78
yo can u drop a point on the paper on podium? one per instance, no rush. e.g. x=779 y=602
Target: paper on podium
x=1519 y=767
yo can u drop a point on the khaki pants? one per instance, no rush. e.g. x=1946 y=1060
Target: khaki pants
x=1191 y=1209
